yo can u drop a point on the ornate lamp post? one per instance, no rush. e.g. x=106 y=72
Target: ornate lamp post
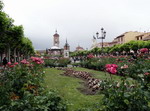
x=103 y=35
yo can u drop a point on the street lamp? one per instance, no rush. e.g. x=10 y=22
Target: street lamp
x=103 y=35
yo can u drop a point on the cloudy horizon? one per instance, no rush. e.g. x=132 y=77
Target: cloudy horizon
x=77 y=20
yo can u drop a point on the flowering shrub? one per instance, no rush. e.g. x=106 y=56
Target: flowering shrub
x=143 y=50
x=124 y=97
x=9 y=64
x=24 y=61
x=90 y=56
x=127 y=66
x=37 y=60
x=21 y=88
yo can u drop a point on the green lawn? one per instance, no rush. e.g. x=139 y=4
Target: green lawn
x=67 y=88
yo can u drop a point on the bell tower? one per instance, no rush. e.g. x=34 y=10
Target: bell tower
x=56 y=39
x=66 y=50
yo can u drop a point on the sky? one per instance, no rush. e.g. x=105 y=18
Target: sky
x=77 y=20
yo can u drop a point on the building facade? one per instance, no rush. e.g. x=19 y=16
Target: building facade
x=144 y=36
x=55 y=50
x=79 y=48
x=127 y=37
x=66 y=50
x=124 y=38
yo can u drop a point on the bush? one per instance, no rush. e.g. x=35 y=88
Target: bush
x=50 y=62
x=125 y=97
x=63 y=62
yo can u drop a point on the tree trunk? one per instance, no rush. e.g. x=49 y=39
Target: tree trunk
x=15 y=55
x=9 y=53
x=1 y=58
x=18 y=55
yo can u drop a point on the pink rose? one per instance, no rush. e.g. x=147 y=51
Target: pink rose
x=143 y=50
x=108 y=65
x=113 y=70
x=114 y=65
x=147 y=73
x=9 y=63
x=16 y=63
x=24 y=61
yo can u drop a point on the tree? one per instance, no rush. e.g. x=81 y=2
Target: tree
x=14 y=37
x=1 y=5
x=26 y=47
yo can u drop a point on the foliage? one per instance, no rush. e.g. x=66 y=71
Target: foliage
x=50 y=62
x=1 y=5
x=124 y=97
x=120 y=48
x=62 y=62
x=96 y=63
x=12 y=37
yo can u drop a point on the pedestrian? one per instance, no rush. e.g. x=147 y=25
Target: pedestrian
x=5 y=62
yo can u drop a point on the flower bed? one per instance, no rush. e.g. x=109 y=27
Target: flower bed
x=125 y=65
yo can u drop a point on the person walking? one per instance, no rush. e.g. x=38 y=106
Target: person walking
x=5 y=62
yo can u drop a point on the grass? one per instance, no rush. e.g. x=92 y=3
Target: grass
x=67 y=88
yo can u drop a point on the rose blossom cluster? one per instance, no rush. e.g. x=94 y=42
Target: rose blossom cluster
x=143 y=50
x=9 y=64
x=24 y=61
x=90 y=56
x=146 y=73
x=111 y=68
x=37 y=60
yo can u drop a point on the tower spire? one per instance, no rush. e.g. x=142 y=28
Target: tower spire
x=56 y=31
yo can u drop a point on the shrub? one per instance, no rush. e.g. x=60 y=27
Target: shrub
x=50 y=62
x=124 y=97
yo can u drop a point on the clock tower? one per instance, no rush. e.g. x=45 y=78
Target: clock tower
x=56 y=39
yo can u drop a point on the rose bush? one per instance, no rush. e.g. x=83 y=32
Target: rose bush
x=124 y=96
x=21 y=88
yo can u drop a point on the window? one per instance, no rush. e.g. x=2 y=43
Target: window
x=66 y=54
x=121 y=39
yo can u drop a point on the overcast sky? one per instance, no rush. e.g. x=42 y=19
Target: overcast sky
x=77 y=20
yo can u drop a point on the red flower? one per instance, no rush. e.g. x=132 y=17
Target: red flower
x=11 y=66
x=16 y=63
x=111 y=68
x=24 y=61
x=108 y=65
x=147 y=73
x=114 y=65
x=143 y=50
x=8 y=63
x=37 y=60
x=90 y=56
